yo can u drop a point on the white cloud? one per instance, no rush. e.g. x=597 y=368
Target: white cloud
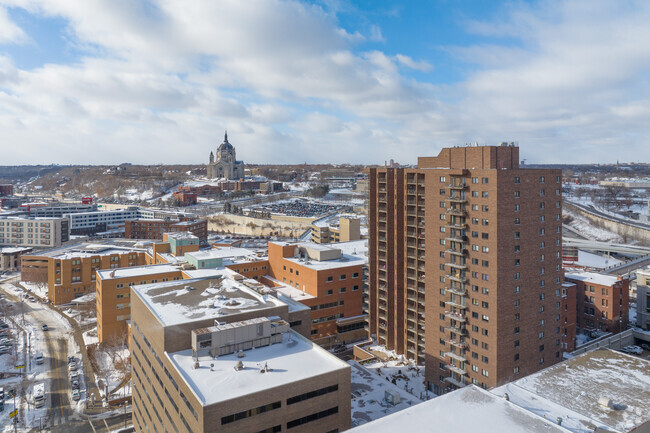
x=290 y=85
x=9 y=31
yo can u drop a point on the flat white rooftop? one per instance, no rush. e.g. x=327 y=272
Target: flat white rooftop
x=294 y=359
x=467 y=410
x=286 y=290
x=88 y=250
x=183 y=301
x=135 y=271
x=345 y=261
x=590 y=277
x=577 y=384
x=221 y=253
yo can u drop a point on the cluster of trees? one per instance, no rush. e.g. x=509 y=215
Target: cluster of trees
x=318 y=191
x=260 y=214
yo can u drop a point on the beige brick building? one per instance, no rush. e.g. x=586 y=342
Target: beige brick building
x=193 y=370
x=34 y=232
x=465 y=265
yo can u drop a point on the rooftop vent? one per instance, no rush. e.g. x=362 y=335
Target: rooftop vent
x=189 y=288
x=240 y=354
x=239 y=366
x=606 y=402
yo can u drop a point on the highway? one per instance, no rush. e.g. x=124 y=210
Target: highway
x=618 y=219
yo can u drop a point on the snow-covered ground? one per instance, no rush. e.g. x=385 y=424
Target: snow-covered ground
x=406 y=375
x=372 y=380
x=369 y=392
x=39 y=289
x=109 y=374
x=90 y=337
x=588 y=230
x=30 y=340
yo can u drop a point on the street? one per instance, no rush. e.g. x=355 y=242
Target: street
x=60 y=340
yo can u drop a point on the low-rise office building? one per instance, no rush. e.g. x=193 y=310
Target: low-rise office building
x=155 y=228
x=114 y=295
x=193 y=370
x=343 y=230
x=70 y=272
x=34 y=232
x=10 y=257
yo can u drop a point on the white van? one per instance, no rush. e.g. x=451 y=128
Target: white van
x=39 y=358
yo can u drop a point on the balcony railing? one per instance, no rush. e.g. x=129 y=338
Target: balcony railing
x=456 y=316
x=455 y=356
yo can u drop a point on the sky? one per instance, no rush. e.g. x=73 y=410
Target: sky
x=324 y=81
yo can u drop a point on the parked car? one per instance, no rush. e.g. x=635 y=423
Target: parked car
x=645 y=346
x=75 y=394
x=5 y=349
x=39 y=358
x=71 y=359
x=2 y=393
x=634 y=350
x=32 y=299
x=74 y=384
x=44 y=327
x=74 y=375
x=72 y=366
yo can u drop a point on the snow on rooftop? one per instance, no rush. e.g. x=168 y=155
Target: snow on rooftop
x=573 y=421
x=221 y=253
x=135 y=271
x=577 y=384
x=467 y=410
x=592 y=260
x=81 y=250
x=294 y=359
x=287 y=290
x=590 y=277
x=176 y=302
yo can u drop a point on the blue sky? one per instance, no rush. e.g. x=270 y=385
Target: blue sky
x=109 y=81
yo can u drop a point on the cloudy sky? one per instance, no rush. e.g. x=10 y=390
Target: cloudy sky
x=158 y=81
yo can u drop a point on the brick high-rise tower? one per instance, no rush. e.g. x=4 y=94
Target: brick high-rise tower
x=465 y=265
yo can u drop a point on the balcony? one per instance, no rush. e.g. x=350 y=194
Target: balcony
x=462 y=266
x=458 y=278
x=455 y=356
x=458 y=186
x=457 y=212
x=455 y=304
x=455 y=316
x=457 y=226
x=460 y=344
x=456 y=199
x=460 y=330
x=456 y=291
x=457 y=383
x=457 y=238
x=457 y=251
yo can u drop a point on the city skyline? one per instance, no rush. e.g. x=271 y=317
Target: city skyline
x=324 y=81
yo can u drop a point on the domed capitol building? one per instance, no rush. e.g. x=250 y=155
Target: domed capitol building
x=226 y=166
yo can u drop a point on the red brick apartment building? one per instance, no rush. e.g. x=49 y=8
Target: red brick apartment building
x=465 y=265
x=327 y=281
x=602 y=301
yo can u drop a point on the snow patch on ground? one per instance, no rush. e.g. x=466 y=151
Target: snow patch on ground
x=588 y=230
